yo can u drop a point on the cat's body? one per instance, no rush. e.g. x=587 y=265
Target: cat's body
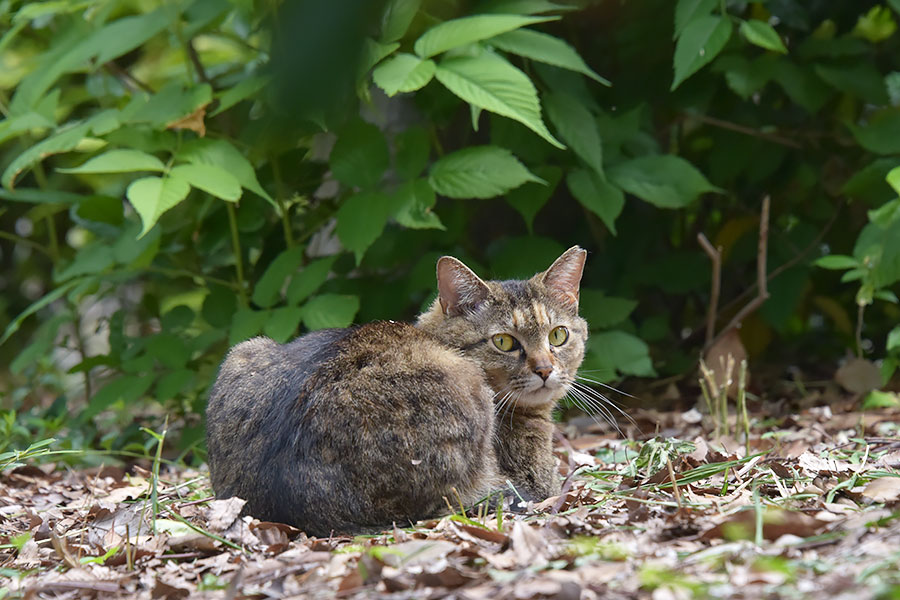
x=346 y=429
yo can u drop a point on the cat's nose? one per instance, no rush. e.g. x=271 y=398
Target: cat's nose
x=543 y=370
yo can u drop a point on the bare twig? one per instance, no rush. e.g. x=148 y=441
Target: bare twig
x=127 y=79
x=195 y=60
x=715 y=255
x=721 y=123
x=859 y=325
x=761 y=280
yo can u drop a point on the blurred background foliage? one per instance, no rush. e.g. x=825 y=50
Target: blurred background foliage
x=179 y=175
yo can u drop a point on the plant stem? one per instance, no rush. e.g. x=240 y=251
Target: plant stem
x=282 y=205
x=236 y=247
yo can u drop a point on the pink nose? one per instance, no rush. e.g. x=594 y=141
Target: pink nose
x=543 y=370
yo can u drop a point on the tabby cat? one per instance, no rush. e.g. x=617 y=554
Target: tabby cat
x=345 y=430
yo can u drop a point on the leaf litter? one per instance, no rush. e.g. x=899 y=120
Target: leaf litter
x=810 y=509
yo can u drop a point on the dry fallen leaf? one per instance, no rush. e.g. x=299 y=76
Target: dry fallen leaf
x=858 y=375
x=883 y=489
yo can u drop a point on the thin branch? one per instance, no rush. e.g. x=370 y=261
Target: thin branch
x=787 y=264
x=769 y=137
x=859 y=325
x=761 y=280
x=127 y=79
x=715 y=255
x=195 y=60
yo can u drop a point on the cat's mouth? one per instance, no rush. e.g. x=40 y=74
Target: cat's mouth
x=542 y=392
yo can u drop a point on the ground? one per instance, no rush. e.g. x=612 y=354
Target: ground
x=809 y=509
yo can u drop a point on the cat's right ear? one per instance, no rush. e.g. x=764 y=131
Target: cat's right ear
x=459 y=289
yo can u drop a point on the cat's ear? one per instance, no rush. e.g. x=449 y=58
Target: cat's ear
x=459 y=289
x=563 y=277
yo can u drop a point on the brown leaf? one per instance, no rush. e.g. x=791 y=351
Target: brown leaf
x=417 y=552
x=488 y=535
x=883 y=489
x=193 y=121
x=164 y=591
x=776 y=523
x=858 y=375
x=221 y=514
x=716 y=359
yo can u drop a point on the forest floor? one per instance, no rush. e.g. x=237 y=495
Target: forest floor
x=810 y=510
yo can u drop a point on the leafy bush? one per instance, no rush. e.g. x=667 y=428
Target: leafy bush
x=293 y=168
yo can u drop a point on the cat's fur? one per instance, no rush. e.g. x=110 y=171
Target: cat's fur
x=342 y=430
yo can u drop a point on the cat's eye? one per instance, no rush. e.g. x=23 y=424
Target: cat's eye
x=558 y=336
x=505 y=342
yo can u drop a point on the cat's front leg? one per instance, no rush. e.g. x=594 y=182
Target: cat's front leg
x=524 y=447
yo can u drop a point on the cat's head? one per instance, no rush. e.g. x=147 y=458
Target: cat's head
x=526 y=334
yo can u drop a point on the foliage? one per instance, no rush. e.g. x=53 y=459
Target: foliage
x=182 y=176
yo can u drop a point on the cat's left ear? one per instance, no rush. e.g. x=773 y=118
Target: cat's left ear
x=563 y=278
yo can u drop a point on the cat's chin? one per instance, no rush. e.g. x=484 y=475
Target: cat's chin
x=540 y=397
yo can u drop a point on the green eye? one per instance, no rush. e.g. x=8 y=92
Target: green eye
x=505 y=342
x=558 y=336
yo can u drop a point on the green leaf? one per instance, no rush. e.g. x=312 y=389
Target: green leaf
x=663 y=180
x=169 y=105
x=603 y=311
x=763 y=35
x=893 y=339
x=172 y=384
x=220 y=153
x=63 y=140
x=544 y=48
x=373 y=53
x=491 y=83
x=859 y=78
x=282 y=323
x=48 y=298
x=466 y=30
x=361 y=219
x=416 y=199
x=836 y=262
x=152 y=196
x=267 y=290
x=876 y=399
x=243 y=90
x=881 y=134
x=168 y=349
x=876 y=25
x=403 y=73
x=89 y=260
x=893 y=179
x=699 y=43
x=687 y=11
x=621 y=351
x=80 y=45
x=119 y=161
x=360 y=156
x=412 y=148
x=397 y=17
x=521 y=7
x=597 y=195
x=478 y=172
x=577 y=127
x=310 y=279
x=245 y=324
x=530 y=197
x=802 y=85
x=212 y=179
x=128 y=389
x=330 y=310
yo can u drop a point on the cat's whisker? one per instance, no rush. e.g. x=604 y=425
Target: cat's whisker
x=591 y=407
x=601 y=399
x=607 y=386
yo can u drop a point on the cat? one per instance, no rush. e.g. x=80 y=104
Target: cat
x=350 y=430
